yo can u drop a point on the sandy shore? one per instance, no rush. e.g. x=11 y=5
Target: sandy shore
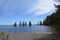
x=26 y=36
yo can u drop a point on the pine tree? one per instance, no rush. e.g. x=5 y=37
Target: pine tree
x=23 y=24
x=15 y=24
x=30 y=24
x=40 y=23
x=20 y=23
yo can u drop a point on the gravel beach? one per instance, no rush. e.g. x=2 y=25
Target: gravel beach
x=26 y=36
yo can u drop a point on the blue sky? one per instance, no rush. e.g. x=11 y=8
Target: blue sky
x=25 y=10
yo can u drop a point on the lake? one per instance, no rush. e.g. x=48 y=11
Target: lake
x=10 y=28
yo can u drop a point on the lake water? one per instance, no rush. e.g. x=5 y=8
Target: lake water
x=10 y=28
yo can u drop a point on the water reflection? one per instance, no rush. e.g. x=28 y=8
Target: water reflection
x=25 y=29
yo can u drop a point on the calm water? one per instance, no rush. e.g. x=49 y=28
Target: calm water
x=24 y=29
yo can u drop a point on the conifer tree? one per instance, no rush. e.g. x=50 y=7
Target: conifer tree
x=30 y=24
x=15 y=24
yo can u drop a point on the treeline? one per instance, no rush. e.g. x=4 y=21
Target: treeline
x=53 y=19
x=27 y=24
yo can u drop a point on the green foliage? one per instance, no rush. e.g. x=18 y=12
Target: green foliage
x=2 y=33
x=4 y=36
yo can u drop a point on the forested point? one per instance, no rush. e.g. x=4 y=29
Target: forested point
x=53 y=19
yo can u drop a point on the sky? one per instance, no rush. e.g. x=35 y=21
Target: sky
x=25 y=10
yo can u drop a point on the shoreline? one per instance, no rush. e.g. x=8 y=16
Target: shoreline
x=26 y=35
